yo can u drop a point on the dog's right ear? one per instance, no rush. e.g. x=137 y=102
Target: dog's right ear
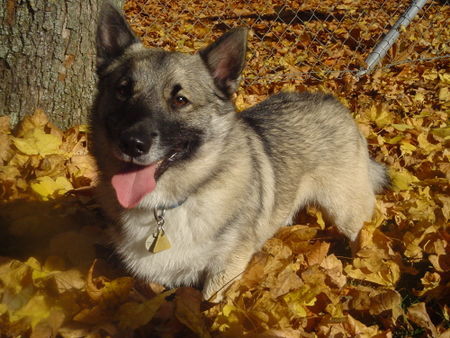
x=113 y=35
x=225 y=59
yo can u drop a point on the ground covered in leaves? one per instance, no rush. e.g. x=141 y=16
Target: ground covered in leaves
x=59 y=277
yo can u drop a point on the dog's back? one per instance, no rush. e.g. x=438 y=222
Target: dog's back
x=318 y=156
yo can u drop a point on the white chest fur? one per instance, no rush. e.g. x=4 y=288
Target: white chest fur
x=192 y=240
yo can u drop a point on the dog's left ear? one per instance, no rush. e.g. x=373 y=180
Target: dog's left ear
x=113 y=36
x=225 y=59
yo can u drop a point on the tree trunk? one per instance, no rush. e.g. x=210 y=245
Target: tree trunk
x=47 y=58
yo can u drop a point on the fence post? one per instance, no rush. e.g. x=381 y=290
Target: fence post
x=386 y=43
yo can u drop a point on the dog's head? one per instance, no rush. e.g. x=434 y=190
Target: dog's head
x=158 y=112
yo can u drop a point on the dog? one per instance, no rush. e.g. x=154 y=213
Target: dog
x=194 y=188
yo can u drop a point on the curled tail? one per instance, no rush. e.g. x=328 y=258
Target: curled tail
x=378 y=176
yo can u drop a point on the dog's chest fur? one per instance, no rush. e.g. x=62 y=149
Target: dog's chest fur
x=192 y=242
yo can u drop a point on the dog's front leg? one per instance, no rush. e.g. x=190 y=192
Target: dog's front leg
x=217 y=281
x=215 y=285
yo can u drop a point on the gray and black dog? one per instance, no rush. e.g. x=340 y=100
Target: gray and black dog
x=196 y=188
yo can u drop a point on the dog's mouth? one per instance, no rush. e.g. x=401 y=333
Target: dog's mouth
x=135 y=181
x=174 y=156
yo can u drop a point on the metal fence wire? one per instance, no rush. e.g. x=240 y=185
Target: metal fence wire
x=303 y=39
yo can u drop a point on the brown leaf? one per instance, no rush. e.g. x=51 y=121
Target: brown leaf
x=318 y=252
x=418 y=314
x=285 y=281
x=334 y=270
x=187 y=311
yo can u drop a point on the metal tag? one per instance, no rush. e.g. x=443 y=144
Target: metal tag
x=157 y=242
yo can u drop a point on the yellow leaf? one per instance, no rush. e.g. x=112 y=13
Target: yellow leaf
x=445 y=200
x=423 y=211
x=298 y=299
x=83 y=128
x=63 y=185
x=335 y=310
x=226 y=318
x=46 y=187
x=402 y=127
x=374 y=269
x=25 y=146
x=390 y=273
x=427 y=146
x=9 y=173
x=419 y=97
x=445 y=78
x=3 y=309
x=19 y=160
x=406 y=147
x=239 y=102
x=133 y=315
x=298 y=309
x=15 y=275
x=37 y=142
x=402 y=180
x=313 y=211
x=228 y=309
x=290 y=87
x=395 y=139
x=35 y=310
x=37 y=120
x=380 y=115
x=430 y=74
x=444 y=94
x=36 y=269
x=442 y=132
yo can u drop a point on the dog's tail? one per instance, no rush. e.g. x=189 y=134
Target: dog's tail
x=379 y=176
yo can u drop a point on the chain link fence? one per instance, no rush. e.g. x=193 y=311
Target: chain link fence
x=318 y=39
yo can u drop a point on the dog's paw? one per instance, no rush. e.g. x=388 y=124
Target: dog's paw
x=214 y=288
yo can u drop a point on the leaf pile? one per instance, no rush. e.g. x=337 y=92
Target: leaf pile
x=59 y=277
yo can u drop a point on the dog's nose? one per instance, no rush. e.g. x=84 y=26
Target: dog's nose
x=134 y=145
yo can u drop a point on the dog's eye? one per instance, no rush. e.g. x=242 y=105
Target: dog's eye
x=124 y=89
x=179 y=101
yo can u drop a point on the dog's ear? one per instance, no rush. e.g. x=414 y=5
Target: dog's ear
x=225 y=59
x=113 y=35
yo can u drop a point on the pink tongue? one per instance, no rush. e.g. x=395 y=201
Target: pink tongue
x=133 y=185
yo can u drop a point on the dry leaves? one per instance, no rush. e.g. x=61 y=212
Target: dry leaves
x=59 y=277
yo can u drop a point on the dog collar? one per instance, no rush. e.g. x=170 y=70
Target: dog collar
x=173 y=206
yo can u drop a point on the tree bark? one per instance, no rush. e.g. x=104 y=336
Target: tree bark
x=47 y=58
